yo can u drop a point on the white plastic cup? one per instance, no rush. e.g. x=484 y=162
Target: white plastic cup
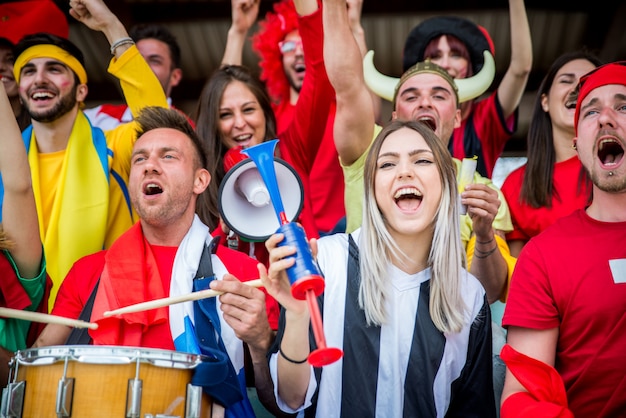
x=468 y=169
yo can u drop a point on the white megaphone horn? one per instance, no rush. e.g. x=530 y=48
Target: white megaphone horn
x=247 y=205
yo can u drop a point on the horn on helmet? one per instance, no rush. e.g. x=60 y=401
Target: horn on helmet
x=382 y=85
x=468 y=88
x=472 y=87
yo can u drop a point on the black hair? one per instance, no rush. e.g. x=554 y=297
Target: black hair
x=5 y=43
x=160 y=33
x=537 y=186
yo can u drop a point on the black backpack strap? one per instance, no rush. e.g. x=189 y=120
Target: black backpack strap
x=225 y=388
x=80 y=336
x=205 y=267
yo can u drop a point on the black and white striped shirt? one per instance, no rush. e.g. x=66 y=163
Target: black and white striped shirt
x=406 y=368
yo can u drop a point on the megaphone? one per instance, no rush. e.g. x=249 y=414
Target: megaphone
x=245 y=202
x=305 y=278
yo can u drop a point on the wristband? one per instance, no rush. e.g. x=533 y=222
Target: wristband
x=484 y=254
x=120 y=42
x=280 y=350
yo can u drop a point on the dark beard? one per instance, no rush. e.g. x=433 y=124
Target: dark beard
x=64 y=106
x=293 y=85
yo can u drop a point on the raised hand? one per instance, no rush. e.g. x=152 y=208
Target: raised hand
x=97 y=16
x=92 y=13
x=244 y=13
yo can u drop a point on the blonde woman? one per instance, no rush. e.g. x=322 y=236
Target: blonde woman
x=413 y=324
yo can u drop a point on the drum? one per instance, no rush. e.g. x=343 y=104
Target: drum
x=103 y=381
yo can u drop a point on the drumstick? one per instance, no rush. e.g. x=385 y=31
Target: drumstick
x=159 y=303
x=45 y=318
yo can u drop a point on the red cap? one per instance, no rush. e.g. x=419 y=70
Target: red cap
x=20 y=18
x=611 y=73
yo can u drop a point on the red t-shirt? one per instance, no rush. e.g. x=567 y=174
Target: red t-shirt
x=82 y=277
x=529 y=221
x=78 y=285
x=164 y=257
x=484 y=134
x=573 y=276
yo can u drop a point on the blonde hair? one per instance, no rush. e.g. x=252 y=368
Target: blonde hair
x=446 y=256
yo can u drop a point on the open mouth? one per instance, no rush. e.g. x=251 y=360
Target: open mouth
x=428 y=121
x=570 y=103
x=408 y=198
x=243 y=140
x=610 y=152
x=151 y=189
x=299 y=67
x=42 y=95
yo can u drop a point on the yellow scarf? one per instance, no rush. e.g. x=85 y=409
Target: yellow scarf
x=78 y=220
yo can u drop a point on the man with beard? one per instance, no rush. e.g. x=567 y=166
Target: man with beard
x=565 y=311
x=79 y=173
x=281 y=43
x=169 y=252
x=21 y=18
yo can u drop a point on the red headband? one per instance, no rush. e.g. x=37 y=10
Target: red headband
x=611 y=73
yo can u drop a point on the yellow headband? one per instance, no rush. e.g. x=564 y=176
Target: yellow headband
x=49 y=51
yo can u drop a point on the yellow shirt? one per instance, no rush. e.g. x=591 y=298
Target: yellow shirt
x=49 y=168
x=141 y=88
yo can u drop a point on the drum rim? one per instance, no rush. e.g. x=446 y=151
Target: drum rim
x=155 y=356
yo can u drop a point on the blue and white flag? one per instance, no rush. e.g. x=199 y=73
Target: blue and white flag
x=183 y=325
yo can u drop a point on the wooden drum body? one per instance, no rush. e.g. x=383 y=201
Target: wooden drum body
x=103 y=382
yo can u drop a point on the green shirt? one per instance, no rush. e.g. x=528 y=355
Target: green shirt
x=13 y=332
